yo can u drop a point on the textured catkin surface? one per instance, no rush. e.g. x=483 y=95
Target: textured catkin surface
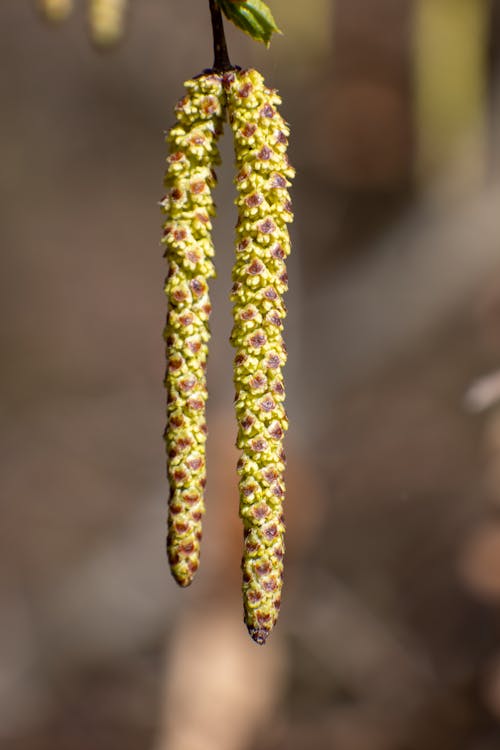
x=260 y=280
x=189 y=208
x=106 y=21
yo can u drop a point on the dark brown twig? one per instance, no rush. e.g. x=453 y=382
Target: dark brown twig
x=221 y=57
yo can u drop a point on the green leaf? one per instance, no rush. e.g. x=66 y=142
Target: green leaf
x=251 y=16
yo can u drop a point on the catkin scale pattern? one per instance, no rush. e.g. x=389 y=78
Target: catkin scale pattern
x=259 y=282
x=189 y=207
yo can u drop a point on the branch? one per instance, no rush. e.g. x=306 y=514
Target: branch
x=221 y=57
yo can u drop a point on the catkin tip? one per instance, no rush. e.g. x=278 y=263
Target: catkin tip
x=183 y=581
x=181 y=573
x=106 y=22
x=259 y=636
x=55 y=11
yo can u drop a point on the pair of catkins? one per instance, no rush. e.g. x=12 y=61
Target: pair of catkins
x=263 y=176
x=106 y=17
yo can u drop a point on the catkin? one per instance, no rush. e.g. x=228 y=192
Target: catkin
x=260 y=280
x=189 y=208
x=106 y=21
x=55 y=10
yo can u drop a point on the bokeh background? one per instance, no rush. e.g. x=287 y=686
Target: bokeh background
x=389 y=636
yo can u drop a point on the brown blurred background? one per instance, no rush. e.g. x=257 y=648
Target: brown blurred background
x=389 y=637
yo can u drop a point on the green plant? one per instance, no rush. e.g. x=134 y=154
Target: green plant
x=260 y=280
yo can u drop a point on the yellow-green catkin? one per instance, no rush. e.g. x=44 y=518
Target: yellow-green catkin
x=55 y=10
x=187 y=235
x=106 y=21
x=260 y=280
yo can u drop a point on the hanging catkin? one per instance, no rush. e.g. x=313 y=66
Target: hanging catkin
x=189 y=208
x=106 y=21
x=260 y=280
x=55 y=10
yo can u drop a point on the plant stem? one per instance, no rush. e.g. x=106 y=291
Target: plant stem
x=221 y=57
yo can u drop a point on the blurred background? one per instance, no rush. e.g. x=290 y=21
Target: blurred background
x=389 y=635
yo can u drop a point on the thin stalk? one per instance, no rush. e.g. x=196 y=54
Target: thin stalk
x=221 y=57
